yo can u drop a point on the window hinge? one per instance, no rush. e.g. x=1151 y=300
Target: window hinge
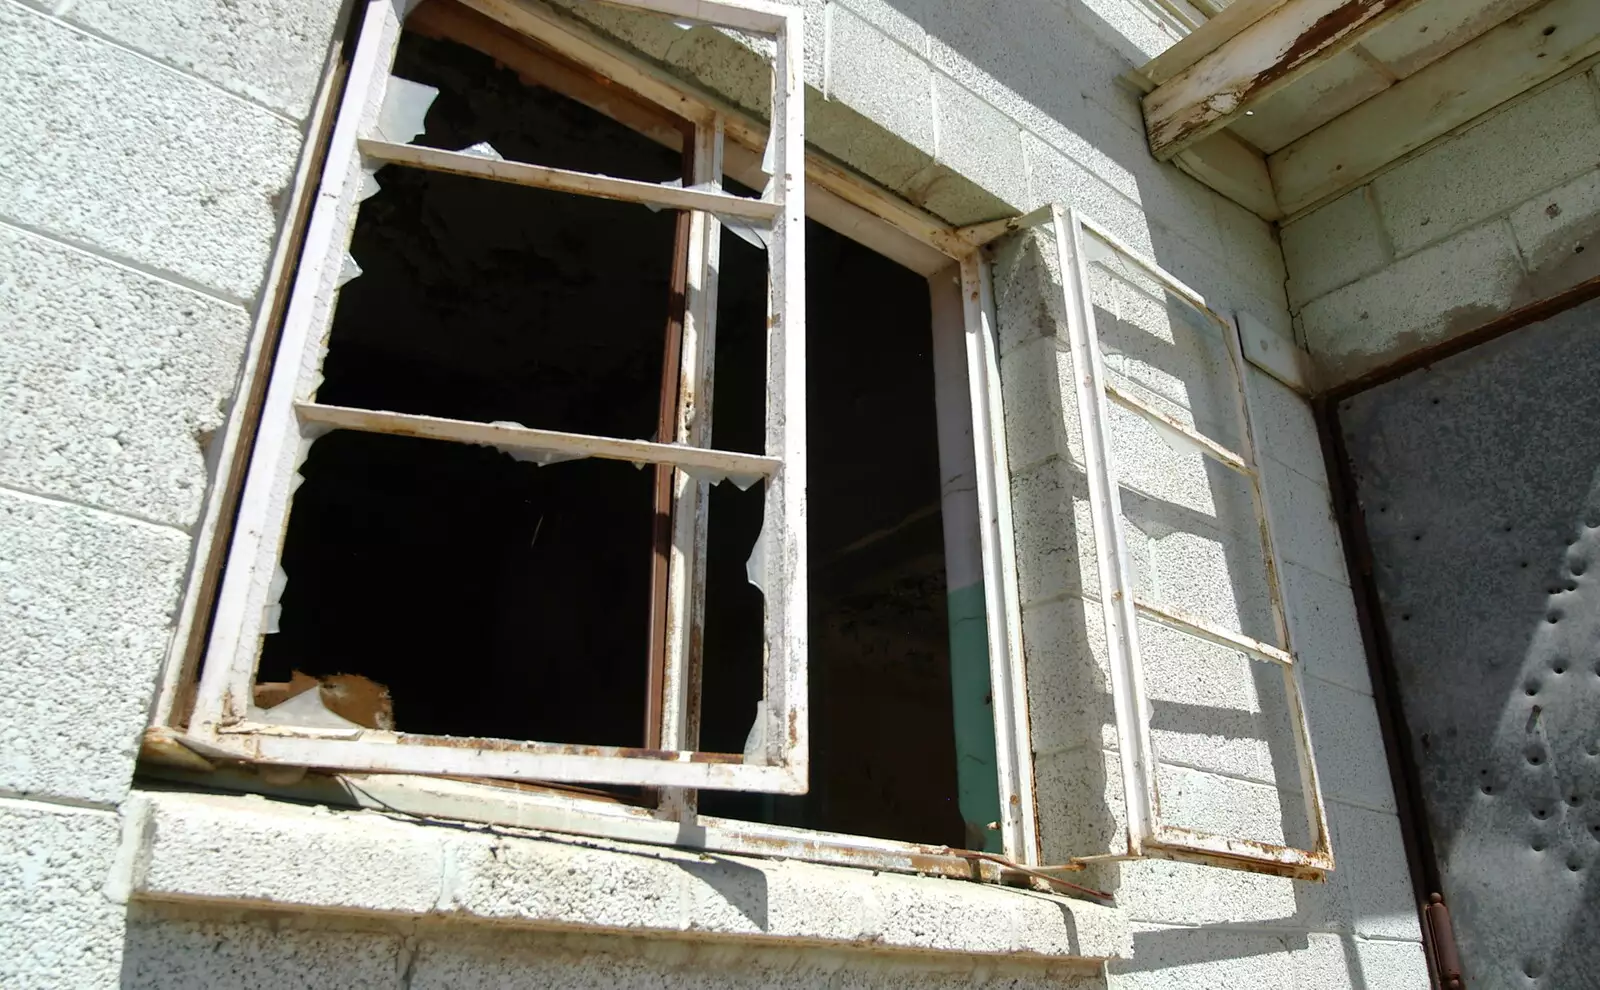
x=1442 y=938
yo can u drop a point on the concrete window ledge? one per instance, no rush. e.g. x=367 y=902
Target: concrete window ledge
x=252 y=852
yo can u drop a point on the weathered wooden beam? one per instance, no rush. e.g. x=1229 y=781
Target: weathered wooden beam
x=1475 y=78
x=1255 y=63
x=1206 y=39
x=1234 y=169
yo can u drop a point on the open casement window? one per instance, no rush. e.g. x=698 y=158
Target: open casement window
x=372 y=140
x=1089 y=255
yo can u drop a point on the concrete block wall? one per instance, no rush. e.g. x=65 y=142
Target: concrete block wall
x=143 y=166
x=145 y=153
x=1504 y=212
x=173 y=949
x=1219 y=721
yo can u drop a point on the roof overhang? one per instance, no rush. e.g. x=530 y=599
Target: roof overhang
x=1282 y=105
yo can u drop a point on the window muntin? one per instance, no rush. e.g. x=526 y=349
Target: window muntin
x=1086 y=252
x=378 y=120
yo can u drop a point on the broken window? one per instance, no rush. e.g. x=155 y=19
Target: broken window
x=488 y=529
x=473 y=536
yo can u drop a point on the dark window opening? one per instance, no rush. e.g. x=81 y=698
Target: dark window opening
x=883 y=758
x=490 y=596
x=493 y=597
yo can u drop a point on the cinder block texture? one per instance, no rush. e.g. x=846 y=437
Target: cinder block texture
x=566 y=961
x=1372 y=867
x=1327 y=634
x=83 y=626
x=1428 y=297
x=1167 y=892
x=1349 y=744
x=1166 y=957
x=109 y=148
x=1391 y=965
x=878 y=76
x=978 y=141
x=1558 y=233
x=111 y=381
x=59 y=929
x=1285 y=428
x=271 y=53
x=253 y=852
x=1334 y=246
x=181 y=954
x=1490 y=168
x=1304 y=529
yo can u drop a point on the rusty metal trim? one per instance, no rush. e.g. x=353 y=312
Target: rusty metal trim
x=1174 y=429
x=1199 y=628
x=1136 y=749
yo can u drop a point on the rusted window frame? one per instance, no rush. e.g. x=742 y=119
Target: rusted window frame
x=959 y=277
x=1147 y=835
x=220 y=724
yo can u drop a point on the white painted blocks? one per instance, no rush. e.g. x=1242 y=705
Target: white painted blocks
x=83 y=625
x=1041 y=409
x=1082 y=808
x=1371 y=866
x=1327 y=634
x=1209 y=802
x=1055 y=177
x=879 y=78
x=180 y=954
x=228 y=848
x=1349 y=745
x=1055 y=535
x=1216 y=575
x=1027 y=291
x=1166 y=957
x=1168 y=892
x=59 y=929
x=498 y=961
x=1391 y=965
x=1490 y=168
x=1304 y=530
x=884 y=16
x=271 y=53
x=1334 y=246
x=111 y=380
x=978 y=141
x=242 y=852
x=1285 y=429
x=106 y=147
x=1216 y=710
x=1069 y=686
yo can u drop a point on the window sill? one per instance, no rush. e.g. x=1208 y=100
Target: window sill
x=248 y=851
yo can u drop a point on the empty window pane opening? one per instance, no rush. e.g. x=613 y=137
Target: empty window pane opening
x=885 y=731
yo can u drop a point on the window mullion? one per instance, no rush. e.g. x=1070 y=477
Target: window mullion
x=686 y=589
x=664 y=511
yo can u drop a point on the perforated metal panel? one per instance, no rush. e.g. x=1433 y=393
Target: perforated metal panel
x=1479 y=480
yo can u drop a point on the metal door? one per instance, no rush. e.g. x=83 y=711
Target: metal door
x=1478 y=481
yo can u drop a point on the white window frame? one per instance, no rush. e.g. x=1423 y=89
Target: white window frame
x=1147 y=835
x=291 y=420
x=835 y=197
